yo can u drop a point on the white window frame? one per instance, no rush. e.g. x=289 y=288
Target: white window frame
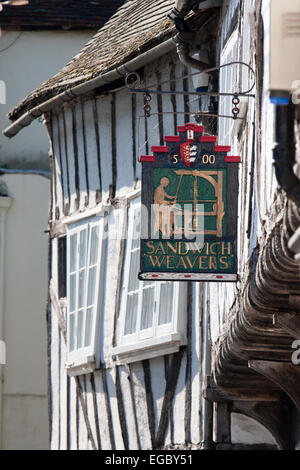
x=157 y=340
x=83 y=360
x=229 y=82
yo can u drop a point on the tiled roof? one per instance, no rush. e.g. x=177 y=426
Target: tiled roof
x=137 y=26
x=69 y=14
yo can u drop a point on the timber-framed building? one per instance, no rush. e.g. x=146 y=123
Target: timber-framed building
x=147 y=365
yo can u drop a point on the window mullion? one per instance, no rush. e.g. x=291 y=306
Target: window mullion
x=80 y=270
x=156 y=307
x=125 y=286
x=135 y=210
x=139 y=310
x=97 y=281
x=175 y=305
x=77 y=289
x=87 y=251
x=68 y=289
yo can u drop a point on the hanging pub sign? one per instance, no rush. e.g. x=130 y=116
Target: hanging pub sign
x=189 y=209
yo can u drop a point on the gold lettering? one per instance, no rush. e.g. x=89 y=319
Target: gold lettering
x=224 y=262
x=160 y=247
x=173 y=248
x=180 y=251
x=157 y=261
x=181 y=263
x=196 y=247
x=224 y=248
x=170 y=259
x=202 y=260
x=212 y=246
x=151 y=246
x=212 y=262
x=191 y=264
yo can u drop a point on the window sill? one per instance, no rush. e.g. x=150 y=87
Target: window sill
x=84 y=365
x=148 y=349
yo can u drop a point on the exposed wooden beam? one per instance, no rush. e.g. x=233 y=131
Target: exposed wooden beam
x=294 y=301
x=214 y=393
x=284 y=374
x=275 y=417
x=290 y=322
x=222 y=423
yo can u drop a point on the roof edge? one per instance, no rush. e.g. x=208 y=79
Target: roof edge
x=86 y=87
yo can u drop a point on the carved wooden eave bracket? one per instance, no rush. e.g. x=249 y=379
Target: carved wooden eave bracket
x=273 y=416
x=285 y=374
x=264 y=320
x=290 y=322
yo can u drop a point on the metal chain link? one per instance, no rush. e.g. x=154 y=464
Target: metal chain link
x=235 y=109
x=147 y=107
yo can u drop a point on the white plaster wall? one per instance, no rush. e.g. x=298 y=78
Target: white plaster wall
x=24 y=424
x=24 y=65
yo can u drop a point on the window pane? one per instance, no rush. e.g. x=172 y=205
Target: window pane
x=136 y=229
x=166 y=303
x=147 y=308
x=131 y=313
x=133 y=283
x=73 y=252
x=88 y=326
x=71 y=332
x=79 y=329
x=82 y=249
x=82 y=271
x=94 y=245
x=72 y=292
x=81 y=287
x=91 y=286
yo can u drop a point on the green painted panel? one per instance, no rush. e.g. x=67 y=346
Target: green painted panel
x=191 y=187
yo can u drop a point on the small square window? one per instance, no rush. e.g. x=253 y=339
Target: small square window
x=84 y=261
x=152 y=314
